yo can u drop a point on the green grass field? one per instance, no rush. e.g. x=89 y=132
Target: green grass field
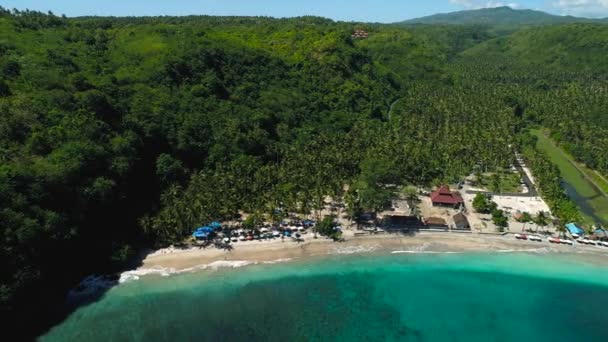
x=588 y=197
x=509 y=181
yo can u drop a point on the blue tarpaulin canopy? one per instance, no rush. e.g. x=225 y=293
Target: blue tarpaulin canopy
x=200 y=235
x=205 y=229
x=215 y=225
x=574 y=229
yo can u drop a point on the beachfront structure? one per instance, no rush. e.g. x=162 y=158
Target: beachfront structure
x=444 y=197
x=461 y=222
x=401 y=221
x=574 y=229
x=600 y=234
x=435 y=223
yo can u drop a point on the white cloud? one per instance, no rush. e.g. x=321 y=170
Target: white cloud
x=589 y=8
x=476 y=4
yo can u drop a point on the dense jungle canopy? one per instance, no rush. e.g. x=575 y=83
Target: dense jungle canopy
x=118 y=134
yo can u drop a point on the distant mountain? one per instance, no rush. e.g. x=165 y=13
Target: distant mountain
x=500 y=16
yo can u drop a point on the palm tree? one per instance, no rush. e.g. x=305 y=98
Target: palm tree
x=541 y=219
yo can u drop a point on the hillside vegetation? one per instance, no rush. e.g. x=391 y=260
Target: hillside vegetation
x=118 y=134
x=572 y=47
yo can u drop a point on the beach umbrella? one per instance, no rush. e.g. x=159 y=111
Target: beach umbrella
x=308 y=223
x=215 y=225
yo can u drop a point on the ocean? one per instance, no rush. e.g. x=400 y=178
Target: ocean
x=365 y=297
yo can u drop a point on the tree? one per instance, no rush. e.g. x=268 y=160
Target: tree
x=478 y=176
x=327 y=227
x=4 y=89
x=169 y=169
x=525 y=218
x=482 y=203
x=253 y=221
x=11 y=69
x=353 y=205
x=541 y=219
x=496 y=183
x=411 y=195
x=499 y=219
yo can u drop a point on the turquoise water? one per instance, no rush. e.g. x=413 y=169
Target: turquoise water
x=455 y=297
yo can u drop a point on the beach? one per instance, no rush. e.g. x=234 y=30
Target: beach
x=243 y=253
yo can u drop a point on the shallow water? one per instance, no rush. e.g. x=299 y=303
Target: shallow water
x=396 y=297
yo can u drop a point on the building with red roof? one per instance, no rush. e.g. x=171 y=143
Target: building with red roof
x=445 y=197
x=360 y=34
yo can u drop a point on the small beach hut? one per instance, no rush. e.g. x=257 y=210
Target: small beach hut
x=574 y=229
x=435 y=223
x=600 y=234
x=461 y=222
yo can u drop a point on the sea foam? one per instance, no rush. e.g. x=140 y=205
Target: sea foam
x=166 y=272
x=353 y=249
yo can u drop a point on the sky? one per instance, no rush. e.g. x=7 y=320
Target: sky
x=347 y=10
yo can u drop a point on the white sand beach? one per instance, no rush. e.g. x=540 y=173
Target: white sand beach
x=243 y=253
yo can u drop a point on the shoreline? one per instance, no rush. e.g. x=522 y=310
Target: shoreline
x=166 y=262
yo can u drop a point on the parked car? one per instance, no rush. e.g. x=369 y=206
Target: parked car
x=521 y=236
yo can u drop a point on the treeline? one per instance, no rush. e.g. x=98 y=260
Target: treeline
x=548 y=181
x=123 y=133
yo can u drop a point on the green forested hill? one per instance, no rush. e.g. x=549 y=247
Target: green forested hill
x=498 y=16
x=118 y=134
x=99 y=117
x=568 y=47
